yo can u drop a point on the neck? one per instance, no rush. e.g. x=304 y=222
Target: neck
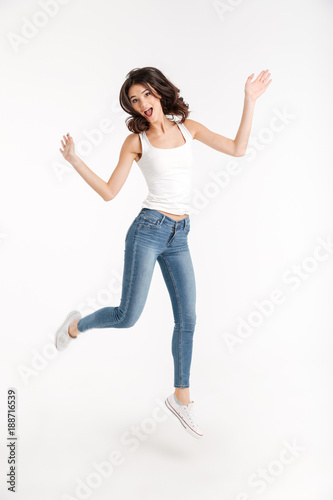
x=160 y=125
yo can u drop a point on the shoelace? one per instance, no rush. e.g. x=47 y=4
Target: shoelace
x=190 y=413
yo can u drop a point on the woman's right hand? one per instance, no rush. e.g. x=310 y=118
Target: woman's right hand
x=69 y=151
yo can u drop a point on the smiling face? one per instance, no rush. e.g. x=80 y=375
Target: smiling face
x=144 y=103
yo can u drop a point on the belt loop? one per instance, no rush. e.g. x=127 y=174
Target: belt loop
x=161 y=220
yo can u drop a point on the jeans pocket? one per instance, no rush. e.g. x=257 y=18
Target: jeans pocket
x=149 y=221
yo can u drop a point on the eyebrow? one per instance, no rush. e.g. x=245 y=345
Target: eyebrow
x=141 y=93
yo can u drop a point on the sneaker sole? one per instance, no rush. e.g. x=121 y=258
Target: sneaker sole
x=65 y=324
x=186 y=427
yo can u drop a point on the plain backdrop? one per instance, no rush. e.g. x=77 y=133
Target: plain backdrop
x=91 y=421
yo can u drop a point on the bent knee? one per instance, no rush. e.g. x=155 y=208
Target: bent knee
x=127 y=320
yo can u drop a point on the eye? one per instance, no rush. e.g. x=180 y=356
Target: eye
x=146 y=94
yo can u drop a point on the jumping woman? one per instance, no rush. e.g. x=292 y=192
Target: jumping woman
x=162 y=147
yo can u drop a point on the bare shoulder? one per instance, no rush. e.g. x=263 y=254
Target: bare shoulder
x=210 y=138
x=132 y=145
x=192 y=126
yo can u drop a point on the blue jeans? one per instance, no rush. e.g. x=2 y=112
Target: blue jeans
x=152 y=237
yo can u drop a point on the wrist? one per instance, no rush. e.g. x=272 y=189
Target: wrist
x=72 y=158
x=249 y=99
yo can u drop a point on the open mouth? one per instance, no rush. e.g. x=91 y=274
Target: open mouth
x=148 y=112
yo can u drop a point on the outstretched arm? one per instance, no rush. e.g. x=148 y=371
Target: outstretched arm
x=107 y=190
x=252 y=91
x=237 y=146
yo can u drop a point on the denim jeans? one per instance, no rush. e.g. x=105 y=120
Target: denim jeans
x=152 y=237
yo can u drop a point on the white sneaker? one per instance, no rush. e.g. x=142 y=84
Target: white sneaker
x=185 y=414
x=62 y=337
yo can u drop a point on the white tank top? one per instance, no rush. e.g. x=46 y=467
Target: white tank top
x=168 y=173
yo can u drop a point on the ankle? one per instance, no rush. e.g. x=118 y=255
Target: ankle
x=73 y=331
x=182 y=400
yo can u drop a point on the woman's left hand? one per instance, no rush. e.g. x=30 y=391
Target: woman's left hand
x=253 y=90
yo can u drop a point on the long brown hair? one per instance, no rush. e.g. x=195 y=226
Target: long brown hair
x=152 y=78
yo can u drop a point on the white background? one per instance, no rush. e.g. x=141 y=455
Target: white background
x=62 y=248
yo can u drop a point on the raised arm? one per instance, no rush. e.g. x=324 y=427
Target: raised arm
x=107 y=190
x=211 y=139
x=237 y=146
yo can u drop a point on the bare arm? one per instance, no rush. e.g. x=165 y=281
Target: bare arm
x=211 y=139
x=127 y=155
x=232 y=147
x=107 y=190
x=242 y=137
x=237 y=146
x=253 y=90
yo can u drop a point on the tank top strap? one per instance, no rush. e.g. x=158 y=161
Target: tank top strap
x=144 y=142
x=185 y=131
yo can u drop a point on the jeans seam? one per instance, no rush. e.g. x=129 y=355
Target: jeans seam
x=153 y=219
x=146 y=215
x=149 y=227
x=180 y=316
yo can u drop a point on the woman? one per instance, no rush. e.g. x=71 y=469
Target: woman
x=163 y=150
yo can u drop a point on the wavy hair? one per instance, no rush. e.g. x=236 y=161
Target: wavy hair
x=152 y=78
